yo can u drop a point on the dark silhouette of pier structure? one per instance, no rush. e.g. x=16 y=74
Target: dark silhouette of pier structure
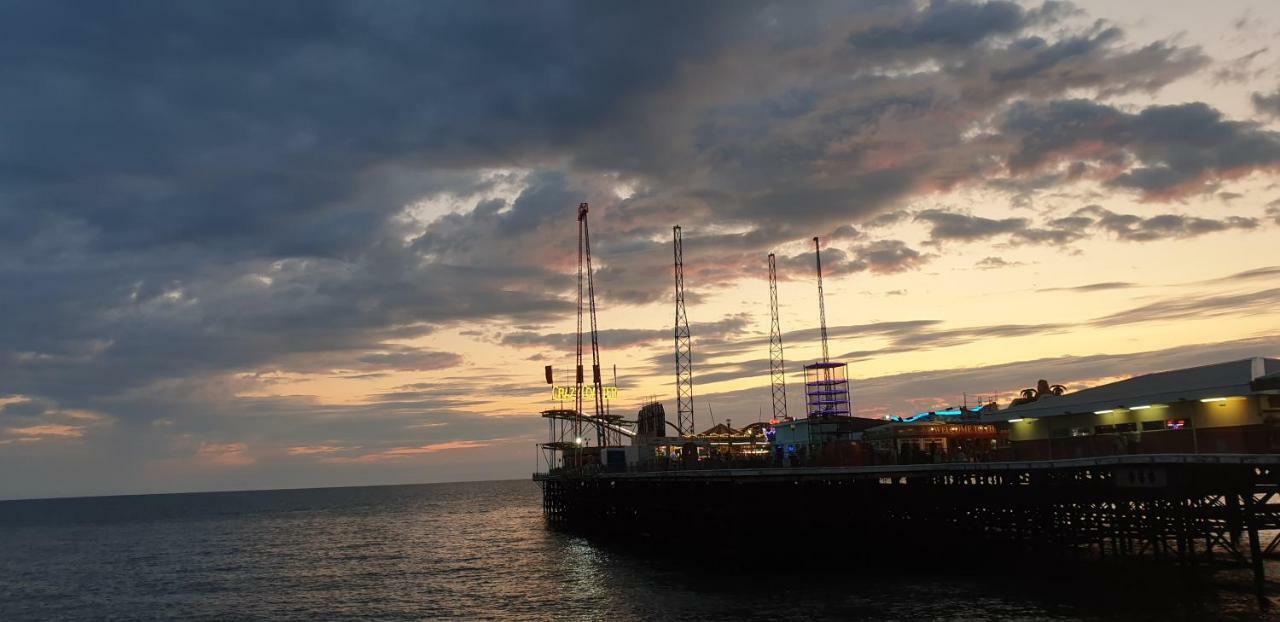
x=1187 y=509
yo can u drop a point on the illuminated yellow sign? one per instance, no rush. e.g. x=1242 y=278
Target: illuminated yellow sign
x=588 y=392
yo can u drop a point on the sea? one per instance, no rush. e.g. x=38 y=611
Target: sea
x=481 y=551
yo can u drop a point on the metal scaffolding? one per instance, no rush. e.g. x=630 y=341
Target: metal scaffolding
x=684 y=346
x=584 y=264
x=822 y=307
x=777 y=367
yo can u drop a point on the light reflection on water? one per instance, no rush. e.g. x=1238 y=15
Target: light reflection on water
x=478 y=551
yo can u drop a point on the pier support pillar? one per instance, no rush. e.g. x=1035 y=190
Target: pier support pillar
x=1255 y=551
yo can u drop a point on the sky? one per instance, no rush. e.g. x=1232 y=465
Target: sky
x=261 y=245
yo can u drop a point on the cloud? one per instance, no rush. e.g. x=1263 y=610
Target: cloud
x=47 y=430
x=944 y=25
x=1267 y=103
x=628 y=337
x=1092 y=287
x=992 y=263
x=1160 y=151
x=888 y=219
x=958 y=227
x=1239 y=70
x=890 y=257
x=1164 y=226
x=403 y=453
x=1267 y=272
x=941 y=338
x=410 y=359
x=946 y=225
x=225 y=454
x=317 y=450
x=1188 y=307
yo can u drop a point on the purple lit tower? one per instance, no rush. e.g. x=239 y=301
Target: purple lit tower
x=826 y=389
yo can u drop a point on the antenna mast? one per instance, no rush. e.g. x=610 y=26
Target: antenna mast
x=822 y=307
x=684 y=346
x=777 y=369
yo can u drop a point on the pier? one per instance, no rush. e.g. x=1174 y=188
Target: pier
x=1183 y=508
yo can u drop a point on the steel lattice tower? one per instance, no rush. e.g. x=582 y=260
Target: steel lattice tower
x=584 y=265
x=822 y=307
x=684 y=346
x=777 y=368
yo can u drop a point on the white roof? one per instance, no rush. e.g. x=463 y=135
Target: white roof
x=1227 y=379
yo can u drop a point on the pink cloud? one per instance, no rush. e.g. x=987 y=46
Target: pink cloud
x=225 y=454
x=399 y=453
x=49 y=430
x=313 y=450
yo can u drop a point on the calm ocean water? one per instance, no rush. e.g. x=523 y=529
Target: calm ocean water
x=479 y=551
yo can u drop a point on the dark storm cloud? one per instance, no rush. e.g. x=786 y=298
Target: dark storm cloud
x=144 y=202
x=1159 y=151
x=944 y=24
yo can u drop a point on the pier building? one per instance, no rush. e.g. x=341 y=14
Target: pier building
x=1229 y=407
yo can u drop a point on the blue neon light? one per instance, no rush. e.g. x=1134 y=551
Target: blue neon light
x=951 y=412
